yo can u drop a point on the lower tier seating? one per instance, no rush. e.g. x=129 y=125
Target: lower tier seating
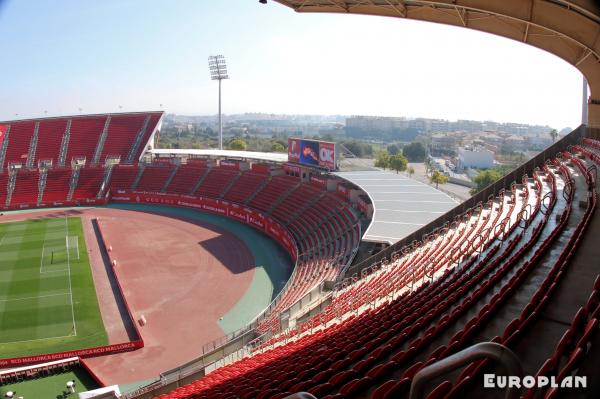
x=57 y=185
x=185 y=180
x=89 y=183
x=154 y=178
x=26 y=188
x=123 y=177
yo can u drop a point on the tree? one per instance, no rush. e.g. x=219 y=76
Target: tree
x=277 y=147
x=415 y=152
x=393 y=149
x=398 y=162
x=438 y=178
x=360 y=150
x=237 y=144
x=383 y=160
x=411 y=171
x=485 y=178
x=554 y=134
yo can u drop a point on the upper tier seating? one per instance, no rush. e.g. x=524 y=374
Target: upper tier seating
x=152 y=124
x=19 y=138
x=84 y=136
x=489 y=275
x=122 y=132
x=50 y=135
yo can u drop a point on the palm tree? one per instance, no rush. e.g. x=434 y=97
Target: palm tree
x=554 y=134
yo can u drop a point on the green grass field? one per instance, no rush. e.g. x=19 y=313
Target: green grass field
x=47 y=297
x=51 y=387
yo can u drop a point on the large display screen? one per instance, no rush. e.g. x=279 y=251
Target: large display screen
x=312 y=153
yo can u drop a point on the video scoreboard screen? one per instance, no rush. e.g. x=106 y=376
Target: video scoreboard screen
x=322 y=154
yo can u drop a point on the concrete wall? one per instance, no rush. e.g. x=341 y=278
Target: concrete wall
x=482 y=158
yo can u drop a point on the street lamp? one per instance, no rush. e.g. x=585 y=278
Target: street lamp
x=218 y=71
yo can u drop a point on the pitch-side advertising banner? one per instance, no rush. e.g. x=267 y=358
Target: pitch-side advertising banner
x=89 y=352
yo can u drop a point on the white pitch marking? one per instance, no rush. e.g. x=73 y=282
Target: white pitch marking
x=33 y=297
x=37 y=339
x=69 y=272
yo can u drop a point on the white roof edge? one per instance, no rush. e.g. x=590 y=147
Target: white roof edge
x=264 y=156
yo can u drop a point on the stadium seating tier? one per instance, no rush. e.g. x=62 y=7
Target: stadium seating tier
x=489 y=275
x=435 y=299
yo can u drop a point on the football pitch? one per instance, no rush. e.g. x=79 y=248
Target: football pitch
x=48 y=301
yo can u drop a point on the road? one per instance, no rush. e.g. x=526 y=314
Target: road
x=456 y=191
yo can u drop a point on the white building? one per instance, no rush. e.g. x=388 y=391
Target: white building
x=477 y=157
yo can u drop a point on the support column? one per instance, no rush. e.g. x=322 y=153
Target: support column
x=584 y=103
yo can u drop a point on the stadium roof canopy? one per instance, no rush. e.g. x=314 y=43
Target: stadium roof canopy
x=401 y=205
x=261 y=156
x=569 y=29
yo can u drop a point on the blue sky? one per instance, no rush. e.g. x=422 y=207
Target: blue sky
x=58 y=56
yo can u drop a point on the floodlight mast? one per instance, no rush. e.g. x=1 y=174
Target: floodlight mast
x=218 y=71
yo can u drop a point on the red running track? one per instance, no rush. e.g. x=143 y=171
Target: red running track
x=182 y=275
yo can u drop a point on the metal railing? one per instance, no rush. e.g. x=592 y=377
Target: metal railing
x=505 y=183
x=483 y=350
x=138 y=140
x=300 y=395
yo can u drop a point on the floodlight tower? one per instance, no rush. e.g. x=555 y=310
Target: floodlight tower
x=218 y=71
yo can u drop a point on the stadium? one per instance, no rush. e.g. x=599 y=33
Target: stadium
x=234 y=274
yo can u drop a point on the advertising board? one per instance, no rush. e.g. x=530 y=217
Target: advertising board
x=322 y=154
